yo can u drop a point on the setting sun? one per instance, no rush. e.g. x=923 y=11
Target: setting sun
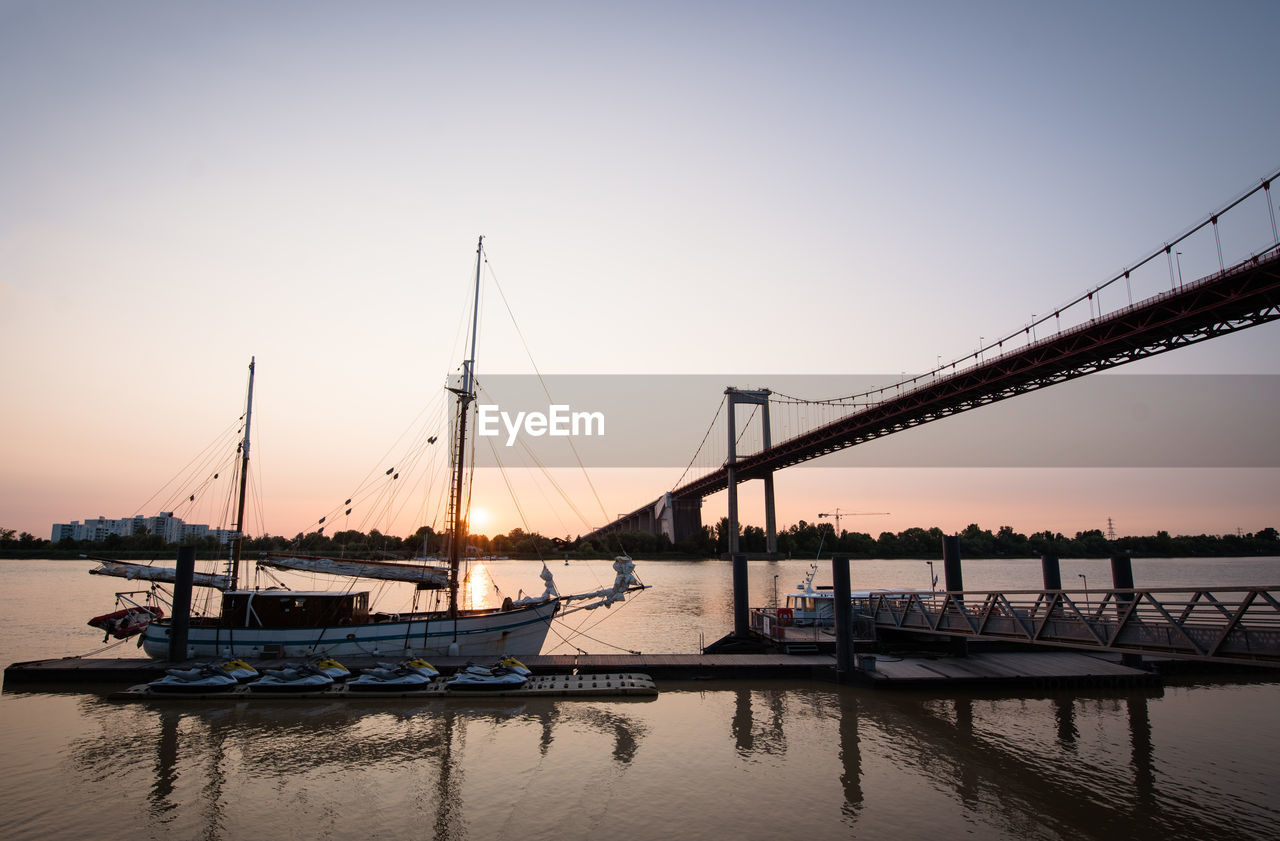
x=480 y=519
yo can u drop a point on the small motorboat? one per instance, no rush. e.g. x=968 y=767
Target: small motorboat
x=291 y=680
x=198 y=681
x=397 y=679
x=473 y=678
x=123 y=624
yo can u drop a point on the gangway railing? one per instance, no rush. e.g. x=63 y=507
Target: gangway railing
x=1222 y=624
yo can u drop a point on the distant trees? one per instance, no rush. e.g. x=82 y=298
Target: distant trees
x=800 y=540
x=807 y=539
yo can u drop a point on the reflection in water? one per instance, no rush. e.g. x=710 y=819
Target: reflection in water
x=626 y=733
x=986 y=754
x=166 y=765
x=1064 y=712
x=207 y=756
x=767 y=738
x=850 y=758
x=1006 y=778
x=1057 y=765
x=1142 y=752
x=449 y=821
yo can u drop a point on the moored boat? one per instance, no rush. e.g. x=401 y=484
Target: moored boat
x=814 y=604
x=125 y=623
x=273 y=622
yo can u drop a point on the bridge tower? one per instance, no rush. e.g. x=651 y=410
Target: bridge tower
x=752 y=398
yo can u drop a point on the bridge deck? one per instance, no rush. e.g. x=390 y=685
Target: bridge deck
x=1239 y=297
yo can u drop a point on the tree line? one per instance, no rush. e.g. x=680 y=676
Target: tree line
x=799 y=541
x=811 y=539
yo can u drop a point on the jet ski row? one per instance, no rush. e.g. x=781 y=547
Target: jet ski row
x=327 y=677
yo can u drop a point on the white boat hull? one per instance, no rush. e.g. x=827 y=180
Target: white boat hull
x=520 y=631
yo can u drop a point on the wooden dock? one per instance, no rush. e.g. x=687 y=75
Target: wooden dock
x=91 y=670
x=538 y=686
x=1033 y=669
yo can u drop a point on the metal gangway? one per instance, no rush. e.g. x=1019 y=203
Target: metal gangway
x=1220 y=624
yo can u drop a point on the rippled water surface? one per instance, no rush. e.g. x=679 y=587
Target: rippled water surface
x=779 y=759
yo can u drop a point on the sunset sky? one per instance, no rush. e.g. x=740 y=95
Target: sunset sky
x=731 y=189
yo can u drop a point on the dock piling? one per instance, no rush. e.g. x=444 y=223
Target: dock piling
x=183 y=578
x=1122 y=579
x=1051 y=571
x=741 y=619
x=842 y=599
x=955 y=583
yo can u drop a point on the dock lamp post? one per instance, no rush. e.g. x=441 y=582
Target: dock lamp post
x=1086 y=589
x=933 y=579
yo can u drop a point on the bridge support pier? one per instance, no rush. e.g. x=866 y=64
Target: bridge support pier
x=755 y=398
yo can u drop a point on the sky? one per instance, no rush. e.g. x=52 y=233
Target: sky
x=737 y=189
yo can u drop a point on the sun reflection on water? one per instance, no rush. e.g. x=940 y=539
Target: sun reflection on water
x=476 y=586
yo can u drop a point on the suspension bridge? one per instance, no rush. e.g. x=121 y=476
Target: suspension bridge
x=1063 y=344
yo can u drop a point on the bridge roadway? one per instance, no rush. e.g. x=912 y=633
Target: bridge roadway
x=1241 y=296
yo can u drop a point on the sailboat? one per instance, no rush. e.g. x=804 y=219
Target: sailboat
x=291 y=623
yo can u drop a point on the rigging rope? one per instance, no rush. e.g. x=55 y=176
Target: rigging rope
x=493 y=276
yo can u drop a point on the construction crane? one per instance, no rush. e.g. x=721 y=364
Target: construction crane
x=837 y=514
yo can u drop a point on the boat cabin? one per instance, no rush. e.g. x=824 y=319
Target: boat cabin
x=813 y=607
x=293 y=609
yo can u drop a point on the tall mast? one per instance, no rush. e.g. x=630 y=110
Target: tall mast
x=244 y=480
x=465 y=395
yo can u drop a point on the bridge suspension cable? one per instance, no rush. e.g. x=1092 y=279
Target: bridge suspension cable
x=705 y=437
x=1091 y=297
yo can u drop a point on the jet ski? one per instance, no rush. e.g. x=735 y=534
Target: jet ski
x=239 y=669
x=417 y=664
x=473 y=678
x=200 y=680
x=332 y=668
x=397 y=678
x=288 y=680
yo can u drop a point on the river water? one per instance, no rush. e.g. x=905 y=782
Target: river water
x=777 y=759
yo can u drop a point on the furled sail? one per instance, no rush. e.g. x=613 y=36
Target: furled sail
x=426 y=577
x=624 y=581
x=121 y=569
